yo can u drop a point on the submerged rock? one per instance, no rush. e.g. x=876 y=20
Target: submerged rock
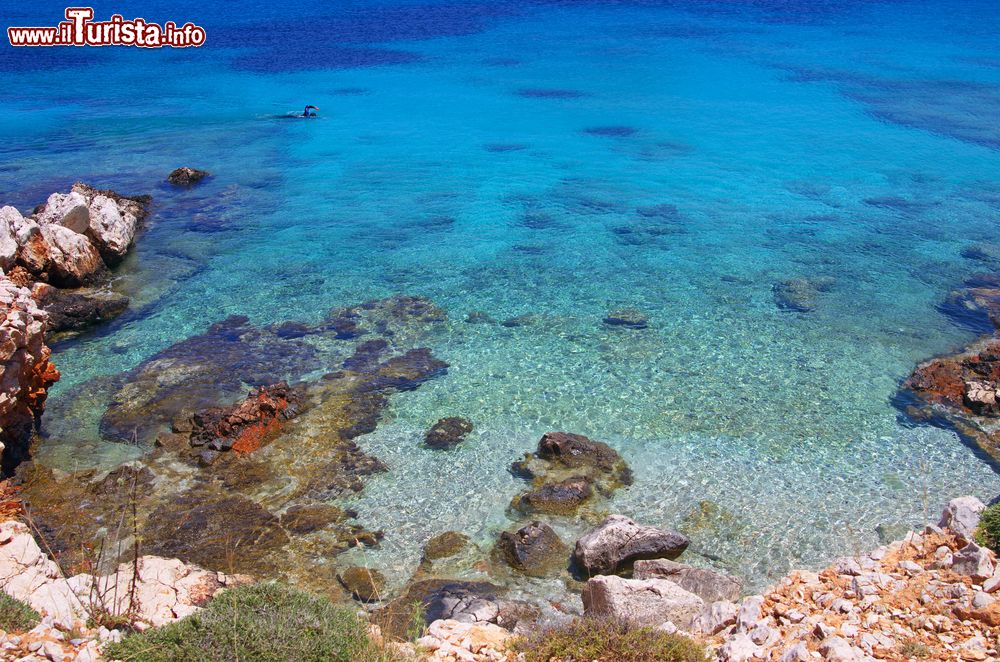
x=566 y=471
x=629 y=318
x=618 y=542
x=363 y=584
x=534 y=549
x=78 y=310
x=445 y=544
x=563 y=497
x=230 y=533
x=198 y=373
x=800 y=294
x=448 y=433
x=185 y=176
x=247 y=425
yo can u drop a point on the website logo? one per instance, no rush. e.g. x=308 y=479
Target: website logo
x=80 y=29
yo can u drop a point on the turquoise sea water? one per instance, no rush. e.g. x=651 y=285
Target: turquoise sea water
x=562 y=160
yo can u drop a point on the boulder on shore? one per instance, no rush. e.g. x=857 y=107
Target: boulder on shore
x=640 y=602
x=619 y=541
x=709 y=585
x=961 y=516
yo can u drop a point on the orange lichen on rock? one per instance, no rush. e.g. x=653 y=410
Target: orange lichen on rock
x=247 y=425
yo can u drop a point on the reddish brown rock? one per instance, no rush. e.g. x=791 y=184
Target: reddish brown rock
x=247 y=425
x=26 y=372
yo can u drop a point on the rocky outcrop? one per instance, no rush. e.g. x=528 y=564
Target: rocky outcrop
x=640 y=602
x=566 y=471
x=71 y=241
x=26 y=372
x=709 y=585
x=618 y=542
x=447 y=433
x=448 y=640
x=75 y=236
x=534 y=549
x=960 y=390
x=931 y=595
x=243 y=427
x=165 y=589
x=185 y=176
x=77 y=310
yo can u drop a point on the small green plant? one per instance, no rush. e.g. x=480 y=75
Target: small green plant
x=608 y=641
x=910 y=648
x=16 y=616
x=417 y=623
x=264 y=622
x=988 y=532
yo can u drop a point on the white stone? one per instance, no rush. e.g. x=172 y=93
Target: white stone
x=797 y=653
x=70 y=210
x=961 y=516
x=644 y=602
x=739 y=648
x=715 y=617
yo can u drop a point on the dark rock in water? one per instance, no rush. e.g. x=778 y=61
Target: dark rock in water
x=228 y=533
x=479 y=317
x=363 y=584
x=800 y=294
x=407 y=372
x=565 y=471
x=709 y=585
x=292 y=330
x=207 y=458
x=562 y=497
x=618 y=542
x=611 y=131
x=534 y=549
x=303 y=519
x=630 y=318
x=395 y=317
x=463 y=601
x=448 y=433
x=575 y=451
x=444 y=545
x=198 y=373
x=186 y=176
x=366 y=355
x=249 y=424
x=77 y=310
x=519 y=320
x=660 y=211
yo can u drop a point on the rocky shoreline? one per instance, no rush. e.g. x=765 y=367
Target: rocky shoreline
x=237 y=482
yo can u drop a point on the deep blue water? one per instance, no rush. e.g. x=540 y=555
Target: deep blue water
x=562 y=159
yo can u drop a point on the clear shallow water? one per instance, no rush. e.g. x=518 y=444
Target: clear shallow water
x=506 y=160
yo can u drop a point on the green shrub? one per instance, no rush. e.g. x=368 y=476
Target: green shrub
x=15 y=616
x=911 y=648
x=609 y=641
x=265 y=623
x=988 y=532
